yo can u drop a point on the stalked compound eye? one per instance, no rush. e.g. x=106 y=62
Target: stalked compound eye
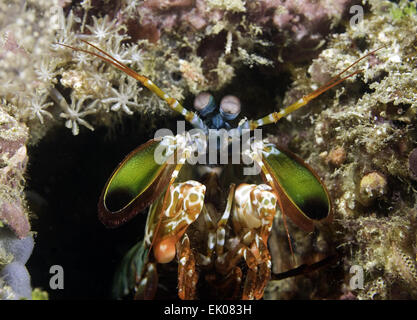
x=204 y=103
x=229 y=107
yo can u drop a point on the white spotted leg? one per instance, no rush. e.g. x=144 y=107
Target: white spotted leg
x=253 y=211
x=206 y=259
x=187 y=273
x=216 y=234
x=221 y=225
x=147 y=284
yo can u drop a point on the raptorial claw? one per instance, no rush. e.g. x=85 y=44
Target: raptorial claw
x=184 y=204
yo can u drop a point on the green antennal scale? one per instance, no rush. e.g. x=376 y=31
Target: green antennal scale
x=303 y=196
x=135 y=184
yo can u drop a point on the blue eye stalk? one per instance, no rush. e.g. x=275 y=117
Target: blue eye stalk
x=217 y=117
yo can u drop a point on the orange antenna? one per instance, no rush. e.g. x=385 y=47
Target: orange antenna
x=173 y=103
